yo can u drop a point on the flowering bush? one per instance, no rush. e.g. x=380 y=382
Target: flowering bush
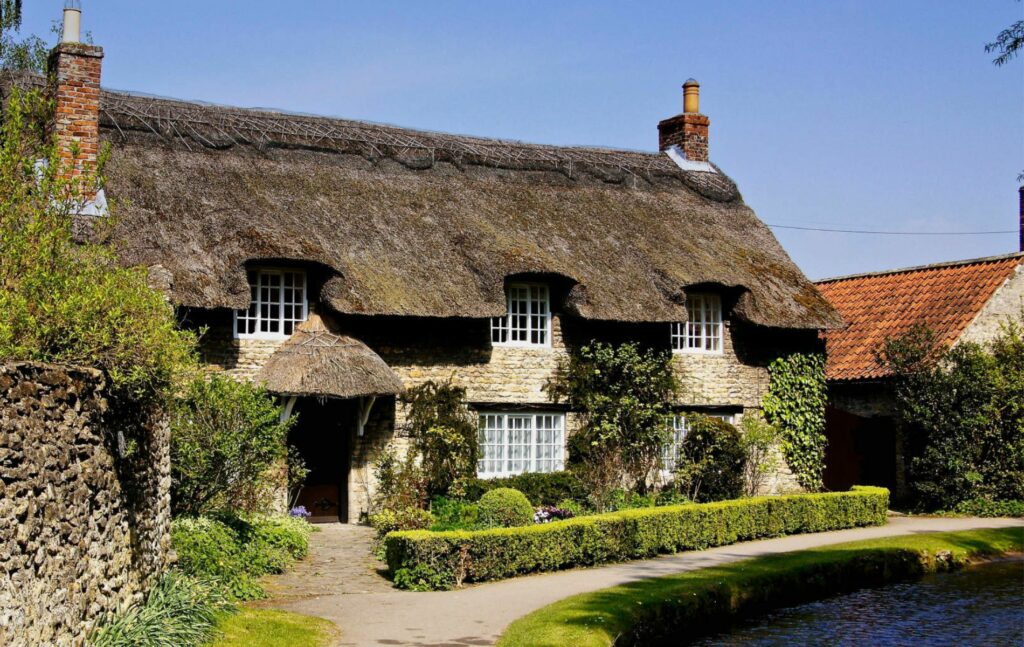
x=299 y=511
x=549 y=513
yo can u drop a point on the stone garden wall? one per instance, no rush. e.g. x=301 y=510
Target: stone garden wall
x=83 y=533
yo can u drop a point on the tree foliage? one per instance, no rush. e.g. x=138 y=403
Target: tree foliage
x=795 y=404
x=444 y=435
x=1007 y=43
x=63 y=300
x=961 y=413
x=226 y=438
x=27 y=54
x=623 y=395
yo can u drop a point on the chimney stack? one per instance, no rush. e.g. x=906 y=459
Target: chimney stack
x=1020 y=225
x=689 y=130
x=74 y=69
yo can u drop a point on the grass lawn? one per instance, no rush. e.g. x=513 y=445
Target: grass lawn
x=709 y=597
x=272 y=628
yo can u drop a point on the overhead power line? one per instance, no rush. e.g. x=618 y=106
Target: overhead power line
x=895 y=233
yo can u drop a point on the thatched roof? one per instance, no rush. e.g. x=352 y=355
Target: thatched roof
x=317 y=362
x=406 y=222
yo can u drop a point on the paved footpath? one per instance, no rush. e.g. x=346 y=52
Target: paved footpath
x=343 y=583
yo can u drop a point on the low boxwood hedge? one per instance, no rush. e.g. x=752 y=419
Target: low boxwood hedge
x=422 y=559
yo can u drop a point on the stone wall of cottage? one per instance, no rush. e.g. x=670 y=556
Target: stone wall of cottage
x=495 y=377
x=1006 y=302
x=84 y=533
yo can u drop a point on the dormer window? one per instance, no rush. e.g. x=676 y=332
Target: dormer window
x=528 y=322
x=703 y=332
x=277 y=304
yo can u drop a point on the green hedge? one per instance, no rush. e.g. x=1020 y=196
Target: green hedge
x=424 y=559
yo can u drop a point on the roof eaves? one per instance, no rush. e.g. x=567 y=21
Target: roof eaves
x=918 y=268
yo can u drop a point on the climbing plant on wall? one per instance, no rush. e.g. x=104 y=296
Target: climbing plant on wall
x=795 y=403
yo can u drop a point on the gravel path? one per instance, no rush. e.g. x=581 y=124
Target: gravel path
x=341 y=581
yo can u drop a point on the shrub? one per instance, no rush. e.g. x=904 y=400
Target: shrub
x=179 y=610
x=622 y=393
x=444 y=434
x=541 y=488
x=961 y=415
x=226 y=435
x=760 y=442
x=505 y=507
x=389 y=520
x=401 y=483
x=232 y=552
x=986 y=508
x=453 y=557
x=63 y=300
x=711 y=460
x=454 y=514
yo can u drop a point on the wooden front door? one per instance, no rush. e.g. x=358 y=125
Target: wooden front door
x=322 y=437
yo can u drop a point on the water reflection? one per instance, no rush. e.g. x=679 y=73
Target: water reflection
x=981 y=605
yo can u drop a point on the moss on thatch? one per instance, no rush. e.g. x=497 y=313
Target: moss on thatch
x=427 y=224
x=317 y=362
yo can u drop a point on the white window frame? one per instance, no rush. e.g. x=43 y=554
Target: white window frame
x=503 y=328
x=255 y=310
x=518 y=446
x=704 y=327
x=670 y=451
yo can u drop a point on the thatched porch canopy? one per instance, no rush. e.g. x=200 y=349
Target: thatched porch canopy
x=318 y=362
x=425 y=224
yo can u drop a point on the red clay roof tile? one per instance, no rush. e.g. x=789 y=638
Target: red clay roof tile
x=944 y=297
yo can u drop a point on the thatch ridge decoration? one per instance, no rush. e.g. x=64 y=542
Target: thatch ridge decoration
x=318 y=362
x=411 y=223
x=219 y=127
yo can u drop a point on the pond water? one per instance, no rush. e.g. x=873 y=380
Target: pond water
x=980 y=605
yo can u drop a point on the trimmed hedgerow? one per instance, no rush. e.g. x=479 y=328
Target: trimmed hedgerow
x=425 y=559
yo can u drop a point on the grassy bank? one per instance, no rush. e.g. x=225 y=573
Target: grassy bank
x=650 y=611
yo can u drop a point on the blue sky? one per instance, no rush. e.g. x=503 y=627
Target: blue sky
x=839 y=114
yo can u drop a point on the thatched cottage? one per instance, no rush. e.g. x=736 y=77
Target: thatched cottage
x=340 y=262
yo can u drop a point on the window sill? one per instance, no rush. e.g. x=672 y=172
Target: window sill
x=262 y=337
x=691 y=351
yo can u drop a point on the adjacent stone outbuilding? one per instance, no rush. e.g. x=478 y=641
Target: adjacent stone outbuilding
x=959 y=301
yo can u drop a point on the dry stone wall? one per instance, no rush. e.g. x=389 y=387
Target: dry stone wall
x=83 y=534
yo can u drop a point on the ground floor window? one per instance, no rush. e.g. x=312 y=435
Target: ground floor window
x=514 y=443
x=670 y=452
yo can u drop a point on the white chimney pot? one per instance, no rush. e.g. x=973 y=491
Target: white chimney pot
x=72 y=24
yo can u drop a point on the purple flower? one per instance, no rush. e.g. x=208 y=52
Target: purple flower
x=549 y=513
x=299 y=511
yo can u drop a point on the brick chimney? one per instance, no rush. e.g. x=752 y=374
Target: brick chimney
x=688 y=131
x=1020 y=230
x=74 y=70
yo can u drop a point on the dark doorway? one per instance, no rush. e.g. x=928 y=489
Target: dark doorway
x=860 y=450
x=322 y=437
